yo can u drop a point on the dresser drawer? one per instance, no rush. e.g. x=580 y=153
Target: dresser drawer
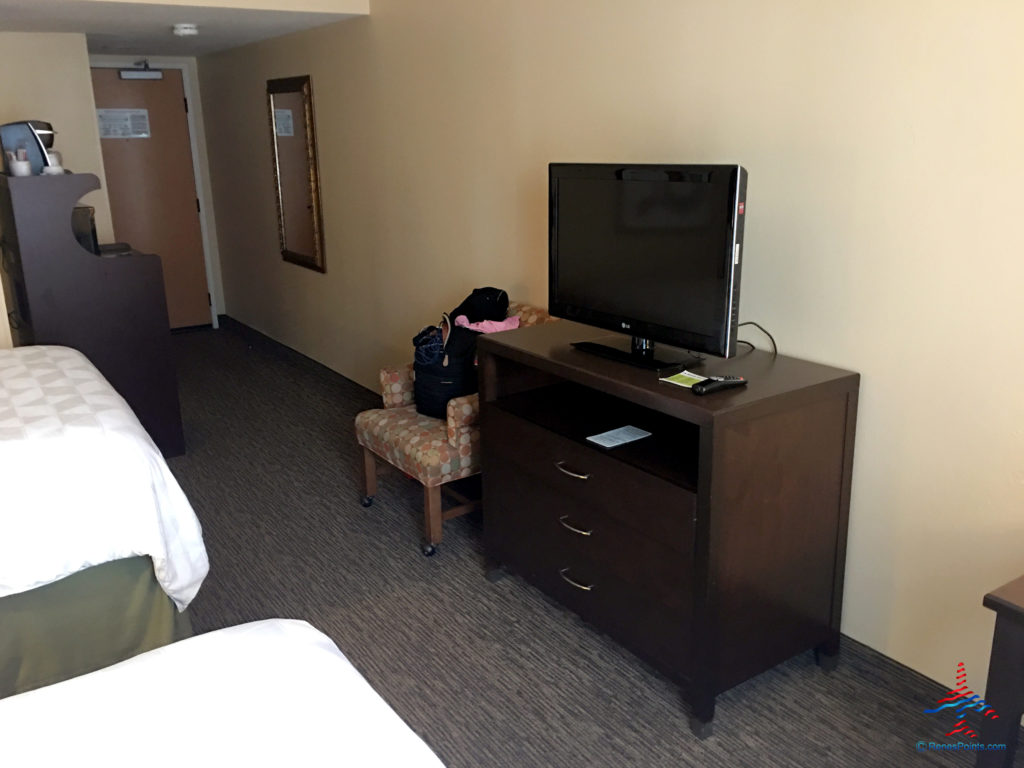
x=586 y=478
x=531 y=510
x=654 y=631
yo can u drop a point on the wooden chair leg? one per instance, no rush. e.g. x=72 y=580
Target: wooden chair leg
x=370 y=475
x=464 y=505
x=432 y=518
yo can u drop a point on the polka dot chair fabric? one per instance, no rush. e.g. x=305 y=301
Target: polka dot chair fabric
x=529 y=315
x=396 y=386
x=433 y=451
x=463 y=413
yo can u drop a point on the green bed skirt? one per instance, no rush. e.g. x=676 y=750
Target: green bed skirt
x=89 y=620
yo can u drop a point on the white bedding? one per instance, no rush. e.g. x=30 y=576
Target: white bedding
x=81 y=482
x=274 y=692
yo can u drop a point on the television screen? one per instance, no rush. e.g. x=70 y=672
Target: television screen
x=652 y=251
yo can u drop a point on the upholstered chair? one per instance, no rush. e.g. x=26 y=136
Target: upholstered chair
x=433 y=451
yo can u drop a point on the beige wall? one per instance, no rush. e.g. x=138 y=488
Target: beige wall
x=46 y=77
x=883 y=145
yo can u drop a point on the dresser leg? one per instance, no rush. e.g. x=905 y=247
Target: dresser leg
x=1004 y=692
x=702 y=712
x=494 y=571
x=826 y=655
x=701 y=729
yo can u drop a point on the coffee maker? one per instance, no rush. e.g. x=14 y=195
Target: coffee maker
x=35 y=137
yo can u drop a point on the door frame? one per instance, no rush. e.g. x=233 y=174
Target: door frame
x=200 y=163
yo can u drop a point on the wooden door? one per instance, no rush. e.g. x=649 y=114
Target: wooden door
x=151 y=186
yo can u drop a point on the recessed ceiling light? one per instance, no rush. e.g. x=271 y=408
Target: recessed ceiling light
x=185 y=30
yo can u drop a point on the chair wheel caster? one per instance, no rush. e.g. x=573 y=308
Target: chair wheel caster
x=367 y=501
x=428 y=550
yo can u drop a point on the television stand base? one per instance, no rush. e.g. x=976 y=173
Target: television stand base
x=627 y=350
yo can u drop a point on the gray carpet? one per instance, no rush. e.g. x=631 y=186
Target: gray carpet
x=489 y=674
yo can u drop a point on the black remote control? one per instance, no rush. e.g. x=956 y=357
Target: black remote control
x=717 y=384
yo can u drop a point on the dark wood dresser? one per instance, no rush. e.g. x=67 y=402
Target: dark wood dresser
x=111 y=308
x=714 y=548
x=1004 y=689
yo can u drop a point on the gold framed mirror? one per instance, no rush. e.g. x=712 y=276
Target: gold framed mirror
x=296 y=178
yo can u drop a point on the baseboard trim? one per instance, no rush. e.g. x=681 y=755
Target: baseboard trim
x=259 y=339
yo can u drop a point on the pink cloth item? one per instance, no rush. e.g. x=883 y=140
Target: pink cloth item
x=489 y=326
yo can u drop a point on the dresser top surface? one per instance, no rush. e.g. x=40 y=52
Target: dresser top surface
x=1008 y=599
x=548 y=347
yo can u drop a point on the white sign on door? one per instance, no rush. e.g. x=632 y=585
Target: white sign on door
x=123 y=123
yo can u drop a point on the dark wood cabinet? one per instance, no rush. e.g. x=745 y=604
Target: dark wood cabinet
x=110 y=307
x=715 y=547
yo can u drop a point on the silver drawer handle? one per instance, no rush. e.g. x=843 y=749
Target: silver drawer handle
x=584 y=587
x=560 y=466
x=568 y=527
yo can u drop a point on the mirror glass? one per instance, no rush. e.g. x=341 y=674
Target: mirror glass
x=290 y=103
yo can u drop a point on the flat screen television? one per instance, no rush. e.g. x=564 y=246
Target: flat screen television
x=652 y=251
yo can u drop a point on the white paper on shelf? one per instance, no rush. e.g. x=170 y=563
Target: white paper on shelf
x=620 y=436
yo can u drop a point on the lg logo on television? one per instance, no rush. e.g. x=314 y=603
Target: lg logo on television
x=625 y=326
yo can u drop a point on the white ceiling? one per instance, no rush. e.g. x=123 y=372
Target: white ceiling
x=145 y=28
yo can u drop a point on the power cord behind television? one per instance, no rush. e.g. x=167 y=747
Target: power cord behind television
x=775 y=349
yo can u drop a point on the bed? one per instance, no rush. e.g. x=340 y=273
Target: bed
x=274 y=692
x=100 y=551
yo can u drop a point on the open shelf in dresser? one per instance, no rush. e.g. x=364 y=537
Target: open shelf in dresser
x=577 y=412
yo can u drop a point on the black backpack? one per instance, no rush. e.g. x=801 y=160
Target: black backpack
x=445 y=362
x=483 y=304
